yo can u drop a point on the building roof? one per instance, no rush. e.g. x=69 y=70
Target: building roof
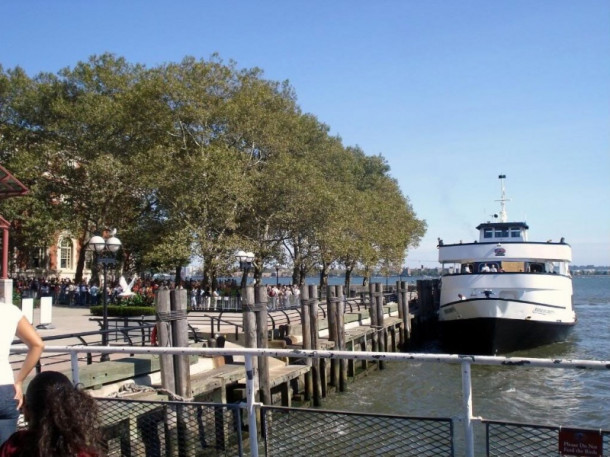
x=9 y=185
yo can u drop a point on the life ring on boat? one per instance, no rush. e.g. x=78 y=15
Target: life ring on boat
x=153 y=336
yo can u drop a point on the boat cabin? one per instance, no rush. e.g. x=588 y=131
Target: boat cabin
x=502 y=231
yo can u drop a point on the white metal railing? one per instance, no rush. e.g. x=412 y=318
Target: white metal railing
x=230 y=303
x=465 y=361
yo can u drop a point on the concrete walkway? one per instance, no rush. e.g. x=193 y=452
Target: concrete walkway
x=66 y=319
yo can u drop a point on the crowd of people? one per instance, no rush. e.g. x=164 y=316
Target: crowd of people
x=71 y=293
x=283 y=296
x=202 y=298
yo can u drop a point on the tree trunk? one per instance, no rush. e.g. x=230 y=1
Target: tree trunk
x=82 y=252
x=348 y=280
x=178 y=278
x=324 y=276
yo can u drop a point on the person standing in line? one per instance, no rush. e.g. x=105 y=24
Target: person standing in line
x=62 y=421
x=13 y=322
x=93 y=291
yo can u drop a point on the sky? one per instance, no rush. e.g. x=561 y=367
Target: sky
x=451 y=93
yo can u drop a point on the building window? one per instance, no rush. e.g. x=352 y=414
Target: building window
x=65 y=256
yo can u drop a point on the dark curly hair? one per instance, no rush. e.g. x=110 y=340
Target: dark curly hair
x=62 y=418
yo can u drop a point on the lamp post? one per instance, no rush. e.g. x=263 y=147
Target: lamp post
x=277 y=275
x=105 y=250
x=245 y=263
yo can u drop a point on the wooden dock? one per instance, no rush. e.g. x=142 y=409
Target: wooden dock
x=218 y=380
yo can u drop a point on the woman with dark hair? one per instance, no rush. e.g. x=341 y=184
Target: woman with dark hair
x=62 y=421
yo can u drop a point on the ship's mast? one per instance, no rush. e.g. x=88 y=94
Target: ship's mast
x=503 y=200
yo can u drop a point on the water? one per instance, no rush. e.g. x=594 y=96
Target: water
x=575 y=398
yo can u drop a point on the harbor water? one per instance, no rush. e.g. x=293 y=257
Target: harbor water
x=575 y=398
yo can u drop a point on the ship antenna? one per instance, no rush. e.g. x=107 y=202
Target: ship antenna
x=503 y=200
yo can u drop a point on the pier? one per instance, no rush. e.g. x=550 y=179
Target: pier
x=219 y=383
x=213 y=377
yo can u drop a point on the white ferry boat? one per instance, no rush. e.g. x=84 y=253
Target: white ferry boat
x=503 y=292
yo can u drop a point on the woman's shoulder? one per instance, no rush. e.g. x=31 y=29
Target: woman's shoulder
x=10 y=310
x=15 y=444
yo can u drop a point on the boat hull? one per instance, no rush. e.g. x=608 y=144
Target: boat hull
x=492 y=336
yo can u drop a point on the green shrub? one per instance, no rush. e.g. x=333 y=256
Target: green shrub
x=123 y=310
x=137 y=300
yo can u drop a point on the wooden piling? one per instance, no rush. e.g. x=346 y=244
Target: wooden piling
x=306 y=333
x=403 y=306
x=382 y=338
x=249 y=323
x=163 y=309
x=179 y=326
x=331 y=313
x=373 y=315
x=260 y=300
x=314 y=331
x=339 y=292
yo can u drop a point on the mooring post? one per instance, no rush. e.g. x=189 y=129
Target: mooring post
x=314 y=331
x=380 y=322
x=403 y=304
x=260 y=310
x=341 y=337
x=249 y=323
x=179 y=326
x=166 y=361
x=306 y=333
x=373 y=315
x=331 y=313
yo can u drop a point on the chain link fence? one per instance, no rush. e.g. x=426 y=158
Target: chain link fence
x=313 y=432
x=151 y=429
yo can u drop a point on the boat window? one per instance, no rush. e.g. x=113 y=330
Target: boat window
x=536 y=267
x=488 y=233
x=515 y=232
x=552 y=267
x=501 y=233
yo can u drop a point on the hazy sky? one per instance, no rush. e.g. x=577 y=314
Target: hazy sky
x=452 y=93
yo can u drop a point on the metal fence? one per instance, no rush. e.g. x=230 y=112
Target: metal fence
x=155 y=428
x=284 y=431
x=289 y=431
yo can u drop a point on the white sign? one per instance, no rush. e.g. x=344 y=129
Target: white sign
x=27 y=308
x=46 y=310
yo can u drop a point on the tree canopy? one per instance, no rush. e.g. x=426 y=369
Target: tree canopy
x=196 y=159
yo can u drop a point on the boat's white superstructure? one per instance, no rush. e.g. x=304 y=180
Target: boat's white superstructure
x=504 y=292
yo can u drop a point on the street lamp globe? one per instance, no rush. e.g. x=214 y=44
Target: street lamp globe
x=113 y=244
x=97 y=243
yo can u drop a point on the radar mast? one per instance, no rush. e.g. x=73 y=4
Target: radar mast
x=503 y=199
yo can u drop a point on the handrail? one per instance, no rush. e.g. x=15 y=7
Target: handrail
x=81 y=337
x=466 y=361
